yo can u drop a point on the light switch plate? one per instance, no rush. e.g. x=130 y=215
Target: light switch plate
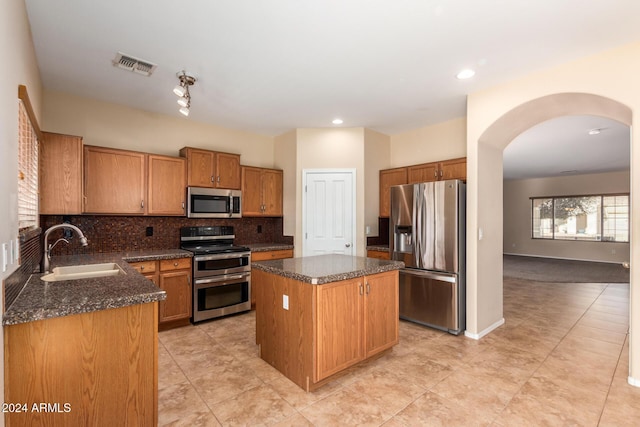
x=285 y=302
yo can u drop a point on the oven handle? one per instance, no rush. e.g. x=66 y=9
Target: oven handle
x=221 y=256
x=223 y=278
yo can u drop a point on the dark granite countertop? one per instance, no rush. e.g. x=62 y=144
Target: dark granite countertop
x=40 y=300
x=379 y=248
x=321 y=269
x=265 y=247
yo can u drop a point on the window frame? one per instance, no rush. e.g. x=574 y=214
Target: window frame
x=601 y=213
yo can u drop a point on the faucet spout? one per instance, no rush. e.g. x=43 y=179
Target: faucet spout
x=46 y=256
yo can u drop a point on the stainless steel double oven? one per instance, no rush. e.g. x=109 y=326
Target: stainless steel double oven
x=221 y=272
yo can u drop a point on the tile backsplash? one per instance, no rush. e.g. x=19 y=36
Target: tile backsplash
x=129 y=233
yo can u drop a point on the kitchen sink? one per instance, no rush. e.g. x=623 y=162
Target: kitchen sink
x=84 y=271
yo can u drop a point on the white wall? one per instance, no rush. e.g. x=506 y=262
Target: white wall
x=19 y=66
x=603 y=84
x=517 y=216
x=332 y=149
x=112 y=125
x=376 y=157
x=285 y=158
x=442 y=141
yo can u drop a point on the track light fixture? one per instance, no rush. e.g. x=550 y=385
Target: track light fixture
x=182 y=90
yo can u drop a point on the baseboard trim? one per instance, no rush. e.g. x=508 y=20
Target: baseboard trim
x=633 y=381
x=564 y=258
x=484 y=331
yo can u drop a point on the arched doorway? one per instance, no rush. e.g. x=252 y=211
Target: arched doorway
x=484 y=237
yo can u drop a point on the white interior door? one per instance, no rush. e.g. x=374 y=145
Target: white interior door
x=328 y=212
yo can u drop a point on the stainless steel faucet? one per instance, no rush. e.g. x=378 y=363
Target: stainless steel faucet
x=46 y=256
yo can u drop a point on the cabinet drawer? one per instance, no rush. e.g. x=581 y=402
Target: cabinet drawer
x=264 y=256
x=378 y=254
x=144 y=267
x=175 y=264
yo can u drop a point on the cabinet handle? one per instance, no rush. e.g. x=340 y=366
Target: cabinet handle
x=142 y=204
x=182 y=205
x=440 y=172
x=368 y=288
x=435 y=173
x=218 y=178
x=361 y=289
x=175 y=264
x=141 y=267
x=213 y=178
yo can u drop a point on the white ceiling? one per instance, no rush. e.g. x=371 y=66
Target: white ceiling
x=273 y=65
x=563 y=146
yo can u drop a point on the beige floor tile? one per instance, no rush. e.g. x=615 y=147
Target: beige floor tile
x=583 y=331
x=433 y=410
x=296 y=420
x=225 y=382
x=169 y=373
x=526 y=410
x=257 y=406
x=345 y=408
x=195 y=419
x=297 y=397
x=178 y=402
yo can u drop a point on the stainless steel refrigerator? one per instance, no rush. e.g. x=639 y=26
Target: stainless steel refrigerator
x=427 y=233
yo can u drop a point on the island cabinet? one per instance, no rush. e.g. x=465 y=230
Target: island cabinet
x=372 y=253
x=312 y=332
x=266 y=256
x=92 y=369
x=212 y=169
x=261 y=191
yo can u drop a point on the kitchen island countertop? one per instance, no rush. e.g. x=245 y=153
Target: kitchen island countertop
x=266 y=247
x=41 y=300
x=321 y=269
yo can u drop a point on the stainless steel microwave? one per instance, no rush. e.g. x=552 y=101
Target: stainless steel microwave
x=213 y=203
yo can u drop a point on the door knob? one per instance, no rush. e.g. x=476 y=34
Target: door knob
x=348 y=245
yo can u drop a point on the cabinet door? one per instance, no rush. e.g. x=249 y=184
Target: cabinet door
x=381 y=312
x=272 y=192
x=60 y=175
x=200 y=164
x=426 y=172
x=167 y=185
x=114 y=181
x=454 y=169
x=227 y=171
x=339 y=326
x=388 y=178
x=177 y=285
x=251 y=191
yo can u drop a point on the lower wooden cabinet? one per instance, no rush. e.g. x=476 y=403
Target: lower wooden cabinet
x=91 y=369
x=326 y=328
x=378 y=254
x=356 y=319
x=174 y=277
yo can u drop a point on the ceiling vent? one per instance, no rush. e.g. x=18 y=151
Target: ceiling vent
x=128 y=62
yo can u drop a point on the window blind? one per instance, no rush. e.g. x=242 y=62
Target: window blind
x=27 y=170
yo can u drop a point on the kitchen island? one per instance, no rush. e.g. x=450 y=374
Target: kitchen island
x=318 y=315
x=86 y=349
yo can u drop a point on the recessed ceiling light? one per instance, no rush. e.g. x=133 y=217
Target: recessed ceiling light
x=465 y=74
x=337 y=121
x=594 y=131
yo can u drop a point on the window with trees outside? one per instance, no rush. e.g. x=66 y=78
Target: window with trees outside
x=599 y=218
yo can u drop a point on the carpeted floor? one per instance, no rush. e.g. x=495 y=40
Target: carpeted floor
x=563 y=271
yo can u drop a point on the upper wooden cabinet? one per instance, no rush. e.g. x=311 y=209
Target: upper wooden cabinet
x=127 y=182
x=212 y=169
x=114 y=181
x=167 y=185
x=438 y=171
x=388 y=178
x=60 y=174
x=261 y=191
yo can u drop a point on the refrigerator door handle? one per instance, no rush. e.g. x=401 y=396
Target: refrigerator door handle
x=442 y=277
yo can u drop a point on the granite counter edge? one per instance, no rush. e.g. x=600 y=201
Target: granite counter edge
x=321 y=280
